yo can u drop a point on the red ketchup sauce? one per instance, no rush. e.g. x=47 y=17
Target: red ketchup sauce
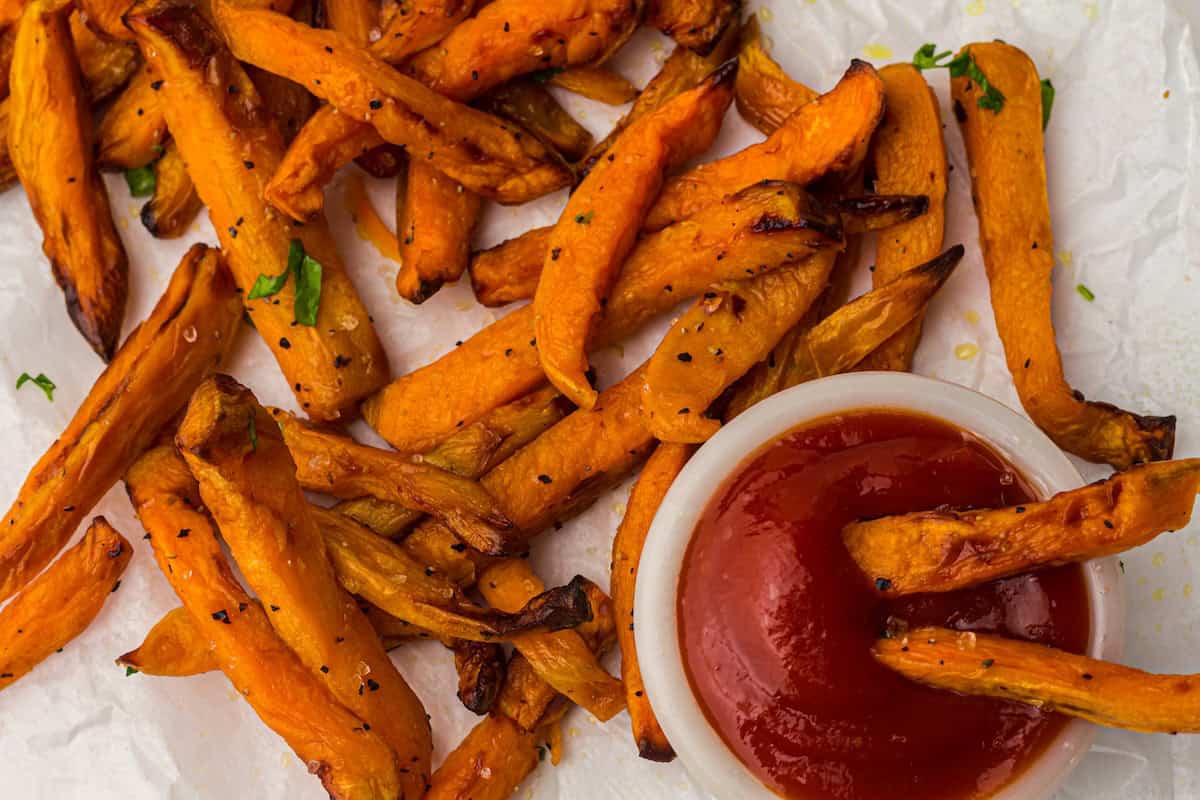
x=777 y=623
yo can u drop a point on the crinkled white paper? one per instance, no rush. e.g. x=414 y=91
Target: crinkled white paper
x=1124 y=176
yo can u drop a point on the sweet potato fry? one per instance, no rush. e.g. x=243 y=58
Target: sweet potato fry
x=246 y=479
x=387 y=577
x=696 y=24
x=231 y=146
x=289 y=102
x=175 y=647
x=386 y=519
x=289 y=697
x=596 y=83
x=876 y=212
x=943 y=550
x=104 y=16
x=530 y=105
x=908 y=156
x=337 y=465
x=1008 y=177
x=174 y=204
x=766 y=96
x=758 y=228
x=354 y=19
x=186 y=335
x=415 y=25
x=597 y=228
x=719 y=339
x=10 y=12
x=472 y=147
x=841 y=340
x=106 y=64
x=434 y=224
x=436 y=546
x=1052 y=680
x=509 y=271
x=61 y=602
x=489 y=764
x=827 y=135
x=8 y=175
x=651 y=487
x=50 y=144
x=562 y=659
x=132 y=130
x=481 y=669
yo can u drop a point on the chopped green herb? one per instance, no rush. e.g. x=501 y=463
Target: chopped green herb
x=1047 y=101
x=925 y=57
x=544 y=75
x=267 y=285
x=308 y=284
x=130 y=671
x=141 y=181
x=41 y=381
x=1085 y=292
x=585 y=219
x=253 y=435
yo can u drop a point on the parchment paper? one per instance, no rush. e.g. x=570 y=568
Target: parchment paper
x=1124 y=175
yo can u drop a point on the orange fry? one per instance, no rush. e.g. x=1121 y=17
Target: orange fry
x=174 y=648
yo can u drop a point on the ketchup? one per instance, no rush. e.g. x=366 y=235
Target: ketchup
x=777 y=622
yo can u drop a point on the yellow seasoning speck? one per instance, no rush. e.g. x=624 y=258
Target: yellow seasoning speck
x=1166 y=93
x=966 y=351
x=1187 y=590
x=1158 y=595
x=1065 y=257
x=1159 y=559
x=972 y=317
x=877 y=50
x=976 y=8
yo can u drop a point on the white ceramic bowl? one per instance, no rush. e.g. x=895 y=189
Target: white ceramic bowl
x=705 y=756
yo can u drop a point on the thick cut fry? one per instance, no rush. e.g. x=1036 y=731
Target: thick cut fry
x=174 y=648
x=247 y=480
x=766 y=96
x=354 y=19
x=651 y=487
x=599 y=224
x=547 y=475
x=530 y=105
x=132 y=130
x=719 y=339
x=841 y=340
x=505 y=39
x=106 y=64
x=472 y=147
x=418 y=24
x=337 y=465
x=290 y=698
x=562 y=659
x=61 y=602
x=596 y=83
x=828 y=135
x=509 y=271
x=1098 y=691
x=683 y=70
x=50 y=144
x=1008 y=177
x=695 y=24
x=154 y=372
x=909 y=157
x=387 y=577
x=944 y=550
x=231 y=147
x=756 y=229
x=489 y=764
x=174 y=204
x=434 y=224
x=481 y=668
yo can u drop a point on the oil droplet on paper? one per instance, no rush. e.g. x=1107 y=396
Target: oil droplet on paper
x=1187 y=590
x=1065 y=257
x=766 y=14
x=1159 y=559
x=880 y=51
x=1158 y=595
x=966 y=351
x=972 y=317
x=976 y=8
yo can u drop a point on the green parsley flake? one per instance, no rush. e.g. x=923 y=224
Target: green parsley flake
x=925 y=57
x=990 y=98
x=253 y=434
x=141 y=181
x=1047 y=101
x=41 y=381
x=307 y=271
x=1085 y=292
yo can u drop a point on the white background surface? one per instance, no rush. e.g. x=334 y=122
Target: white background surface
x=1124 y=177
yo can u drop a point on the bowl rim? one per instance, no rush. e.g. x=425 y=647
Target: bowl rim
x=699 y=747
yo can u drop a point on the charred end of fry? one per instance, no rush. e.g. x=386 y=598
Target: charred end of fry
x=723 y=76
x=1159 y=439
x=180 y=23
x=658 y=752
x=943 y=266
x=481 y=667
x=220 y=419
x=555 y=609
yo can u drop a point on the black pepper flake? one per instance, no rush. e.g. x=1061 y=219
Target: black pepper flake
x=232 y=232
x=146 y=537
x=340 y=361
x=1108 y=524
x=375 y=105
x=555 y=252
x=710 y=295
x=116 y=586
x=231 y=89
x=474 y=74
x=458 y=547
x=328 y=49
x=533 y=342
x=988 y=662
x=222 y=616
x=508 y=351
x=1027 y=361
x=506 y=27
x=373 y=684
x=141 y=112
x=366 y=726
x=904 y=649
x=684 y=357
x=243 y=606
x=545 y=479
x=156 y=85
x=284 y=343
x=883 y=584
x=360 y=689
x=68 y=509
x=324 y=669
x=429 y=571
x=339 y=639
x=6 y=674
x=183 y=533
x=274 y=608
x=1020 y=509
x=71 y=179
x=683 y=410
x=1087 y=676
x=248 y=164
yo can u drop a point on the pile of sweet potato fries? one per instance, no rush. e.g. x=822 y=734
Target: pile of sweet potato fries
x=249 y=107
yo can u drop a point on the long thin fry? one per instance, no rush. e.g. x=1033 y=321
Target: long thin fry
x=657 y=476
x=352 y=761
x=50 y=143
x=190 y=329
x=1008 y=174
x=770 y=223
x=1098 y=691
x=943 y=550
x=61 y=602
x=599 y=224
x=247 y=480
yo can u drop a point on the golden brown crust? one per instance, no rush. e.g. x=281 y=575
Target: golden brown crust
x=352 y=762
x=133 y=128
x=766 y=224
x=600 y=222
x=190 y=329
x=596 y=83
x=529 y=104
x=1049 y=679
x=354 y=19
x=766 y=96
x=61 y=602
x=50 y=143
x=416 y=25
x=481 y=669
x=175 y=647
x=434 y=222
x=106 y=64
x=170 y=210
x=231 y=146
x=944 y=550
x=247 y=481
x=695 y=24
x=1008 y=176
